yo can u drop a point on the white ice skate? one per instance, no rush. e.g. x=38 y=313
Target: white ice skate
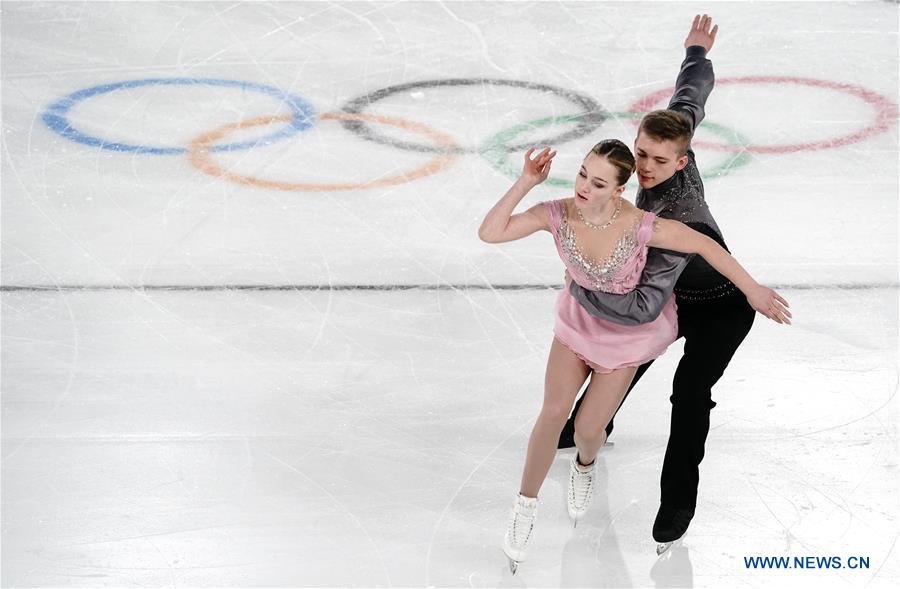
x=581 y=488
x=518 y=532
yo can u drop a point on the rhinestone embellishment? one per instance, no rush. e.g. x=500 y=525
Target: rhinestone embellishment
x=600 y=274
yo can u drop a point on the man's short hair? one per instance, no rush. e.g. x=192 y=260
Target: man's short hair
x=662 y=125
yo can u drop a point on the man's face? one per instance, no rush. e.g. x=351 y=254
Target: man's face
x=656 y=161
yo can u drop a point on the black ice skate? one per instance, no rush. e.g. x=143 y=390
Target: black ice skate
x=670 y=525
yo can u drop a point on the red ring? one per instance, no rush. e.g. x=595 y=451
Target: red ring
x=885 y=117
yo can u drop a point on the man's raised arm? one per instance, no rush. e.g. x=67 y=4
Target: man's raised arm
x=695 y=79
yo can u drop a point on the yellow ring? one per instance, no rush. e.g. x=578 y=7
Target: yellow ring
x=199 y=154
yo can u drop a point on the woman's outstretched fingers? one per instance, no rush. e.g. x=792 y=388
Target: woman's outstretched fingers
x=782 y=305
x=778 y=311
x=538 y=167
x=769 y=303
x=544 y=157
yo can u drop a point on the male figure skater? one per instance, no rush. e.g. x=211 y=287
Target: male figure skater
x=713 y=315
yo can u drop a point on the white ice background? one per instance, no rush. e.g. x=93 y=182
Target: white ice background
x=207 y=383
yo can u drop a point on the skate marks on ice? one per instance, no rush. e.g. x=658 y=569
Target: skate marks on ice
x=673 y=568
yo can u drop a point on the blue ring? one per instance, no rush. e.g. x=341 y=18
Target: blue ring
x=56 y=115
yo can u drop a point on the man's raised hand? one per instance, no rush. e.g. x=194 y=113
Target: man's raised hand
x=701 y=34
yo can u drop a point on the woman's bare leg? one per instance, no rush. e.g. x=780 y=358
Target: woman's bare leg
x=603 y=396
x=565 y=374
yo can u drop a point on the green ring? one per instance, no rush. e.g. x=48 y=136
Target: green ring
x=494 y=150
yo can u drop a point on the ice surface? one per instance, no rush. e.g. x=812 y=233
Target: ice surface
x=209 y=383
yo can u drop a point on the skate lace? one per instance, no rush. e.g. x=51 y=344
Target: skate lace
x=520 y=525
x=580 y=487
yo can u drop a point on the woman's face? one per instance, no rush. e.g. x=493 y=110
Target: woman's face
x=596 y=182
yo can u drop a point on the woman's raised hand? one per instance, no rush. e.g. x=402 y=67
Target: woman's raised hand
x=536 y=170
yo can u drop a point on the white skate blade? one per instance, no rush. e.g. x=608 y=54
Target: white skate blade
x=513 y=565
x=663 y=547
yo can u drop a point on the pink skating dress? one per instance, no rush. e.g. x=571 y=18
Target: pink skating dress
x=603 y=345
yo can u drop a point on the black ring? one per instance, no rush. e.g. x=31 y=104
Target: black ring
x=593 y=114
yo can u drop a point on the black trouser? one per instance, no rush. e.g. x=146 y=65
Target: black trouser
x=712 y=332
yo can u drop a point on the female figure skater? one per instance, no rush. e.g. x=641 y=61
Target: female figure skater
x=602 y=239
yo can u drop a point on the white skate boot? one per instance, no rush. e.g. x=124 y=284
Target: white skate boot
x=518 y=532
x=581 y=488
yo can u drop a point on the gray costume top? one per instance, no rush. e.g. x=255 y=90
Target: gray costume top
x=680 y=198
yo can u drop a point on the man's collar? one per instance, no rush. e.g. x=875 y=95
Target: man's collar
x=663 y=186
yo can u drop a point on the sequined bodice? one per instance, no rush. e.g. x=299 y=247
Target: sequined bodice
x=601 y=275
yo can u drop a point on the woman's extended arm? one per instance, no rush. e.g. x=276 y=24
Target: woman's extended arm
x=672 y=235
x=500 y=224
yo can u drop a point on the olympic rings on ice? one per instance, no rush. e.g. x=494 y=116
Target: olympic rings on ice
x=588 y=116
x=591 y=114
x=56 y=115
x=200 y=158
x=496 y=153
x=885 y=113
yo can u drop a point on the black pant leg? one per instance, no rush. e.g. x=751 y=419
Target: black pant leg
x=712 y=332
